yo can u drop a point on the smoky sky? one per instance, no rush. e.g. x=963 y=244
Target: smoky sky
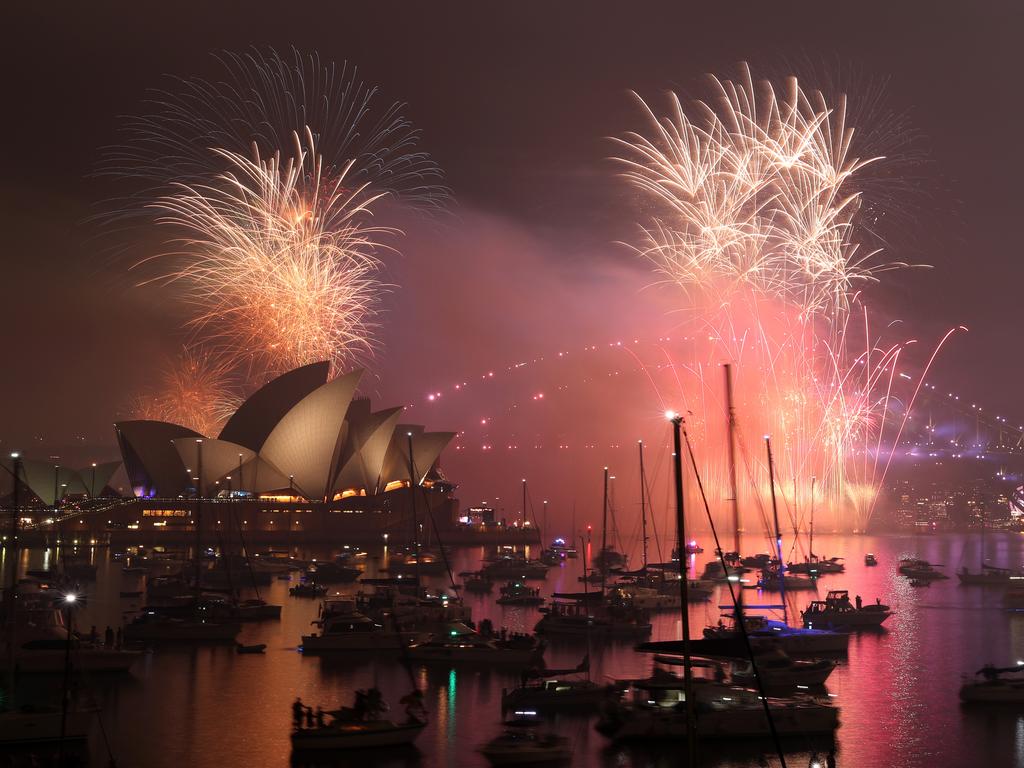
x=516 y=103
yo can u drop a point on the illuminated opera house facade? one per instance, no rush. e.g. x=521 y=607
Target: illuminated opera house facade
x=301 y=459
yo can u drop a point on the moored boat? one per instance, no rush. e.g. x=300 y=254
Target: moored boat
x=458 y=643
x=517 y=593
x=993 y=685
x=523 y=742
x=836 y=611
x=356 y=734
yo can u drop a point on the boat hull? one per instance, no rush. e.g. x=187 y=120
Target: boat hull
x=356 y=736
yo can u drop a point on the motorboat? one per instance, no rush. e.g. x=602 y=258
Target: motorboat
x=153 y=627
x=714 y=572
x=475 y=581
x=870 y=559
x=836 y=611
x=921 y=570
x=458 y=643
x=590 y=615
x=307 y=589
x=256 y=610
x=778 y=671
x=757 y=562
x=356 y=734
x=551 y=557
x=424 y=610
x=517 y=593
x=557 y=690
x=994 y=685
x=770 y=581
x=343 y=628
x=557 y=694
x=818 y=566
x=564 y=548
x=656 y=710
x=692 y=548
x=524 y=742
x=765 y=633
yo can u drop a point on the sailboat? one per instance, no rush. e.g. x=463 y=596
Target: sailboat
x=203 y=623
x=987 y=575
x=31 y=726
x=607 y=558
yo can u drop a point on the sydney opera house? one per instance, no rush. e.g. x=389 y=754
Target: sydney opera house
x=302 y=457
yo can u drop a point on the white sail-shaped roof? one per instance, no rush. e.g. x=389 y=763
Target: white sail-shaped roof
x=369 y=436
x=152 y=463
x=307 y=441
x=50 y=481
x=95 y=478
x=426 y=448
x=220 y=459
x=256 y=418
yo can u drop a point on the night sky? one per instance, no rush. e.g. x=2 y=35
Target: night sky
x=515 y=103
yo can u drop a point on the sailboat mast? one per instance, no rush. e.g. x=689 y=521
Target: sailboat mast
x=810 y=542
x=733 y=497
x=677 y=462
x=643 y=502
x=199 y=518
x=522 y=522
x=778 y=532
x=412 y=508
x=604 y=532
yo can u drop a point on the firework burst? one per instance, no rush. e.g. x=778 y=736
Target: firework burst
x=196 y=391
x=260 y=99
x=756 y=211
x=277 y=259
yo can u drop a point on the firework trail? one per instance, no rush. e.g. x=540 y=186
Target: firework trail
x=263 y=179
x=195 y=390
x=260 y=99
x=756 y=215
x=277 y=260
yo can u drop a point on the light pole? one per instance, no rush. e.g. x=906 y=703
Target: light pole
x=69 y=602
x=11 y=594
x=92 y=484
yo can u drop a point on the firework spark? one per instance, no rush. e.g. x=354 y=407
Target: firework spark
x=277 y=259
x=195 y=391
x=260 y=100
x=756 y=216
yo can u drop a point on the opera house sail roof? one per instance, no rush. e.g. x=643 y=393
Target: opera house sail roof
x=300 y=433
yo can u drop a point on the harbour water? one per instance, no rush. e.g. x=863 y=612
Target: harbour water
x=897 y=689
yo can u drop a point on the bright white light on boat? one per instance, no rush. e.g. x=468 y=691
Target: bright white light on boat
x=670 y=415
x=734 y=578
x=528 y=712
x=802 y=686
x=71 y=597
x=1020 y=663
x=833 y=695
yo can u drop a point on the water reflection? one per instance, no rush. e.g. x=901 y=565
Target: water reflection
x=897 y=688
